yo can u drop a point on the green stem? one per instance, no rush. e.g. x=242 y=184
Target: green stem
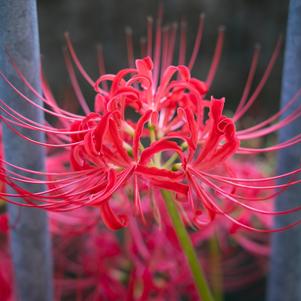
x=187 y=247
x=152 y=133
x=215 y=268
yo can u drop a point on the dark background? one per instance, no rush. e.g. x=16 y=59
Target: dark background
x=92 y=21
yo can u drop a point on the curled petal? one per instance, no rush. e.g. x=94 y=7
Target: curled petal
x=171 y=185
x=138 y=132
x=111 y=220
x=159 y=146
x=158 y=172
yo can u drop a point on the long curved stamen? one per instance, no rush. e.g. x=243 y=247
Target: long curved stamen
x=77 y=62
x=262 y=82
x=216 y=57
x=75 y=84
x=197 y=42
x=249 y=81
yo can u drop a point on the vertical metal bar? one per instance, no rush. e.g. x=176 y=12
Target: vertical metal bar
x=285 y=270
x=30 y=239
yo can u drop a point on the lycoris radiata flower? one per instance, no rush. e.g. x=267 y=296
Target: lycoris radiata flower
x=153 y=126
x=146 y=264
x=140 y=266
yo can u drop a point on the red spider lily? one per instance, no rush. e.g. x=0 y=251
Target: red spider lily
x=243 y=255
x=170 y=143
x=88 y=260
x=251 y=241
x=147 y=264
x=157 y=262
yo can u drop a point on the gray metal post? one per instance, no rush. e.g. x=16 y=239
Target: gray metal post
x=30 y=239
x=285 y=271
